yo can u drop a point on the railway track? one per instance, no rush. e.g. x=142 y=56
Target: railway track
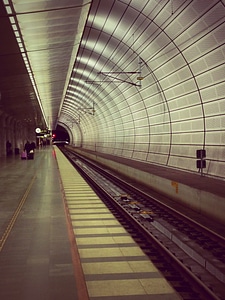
x=191 y=257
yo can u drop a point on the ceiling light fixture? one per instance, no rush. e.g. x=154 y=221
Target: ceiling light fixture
x=20 y=43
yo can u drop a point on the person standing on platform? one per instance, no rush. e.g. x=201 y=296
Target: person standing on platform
x=8 y=148
x=27 y=147
x=32 y=146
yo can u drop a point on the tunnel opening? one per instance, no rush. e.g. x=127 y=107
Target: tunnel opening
x=60 y=136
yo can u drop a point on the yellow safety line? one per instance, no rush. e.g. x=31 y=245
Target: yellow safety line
x=82 y=291
x=15 y=215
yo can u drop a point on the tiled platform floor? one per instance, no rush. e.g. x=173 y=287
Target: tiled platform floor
x=113 y=264
x=35 y=252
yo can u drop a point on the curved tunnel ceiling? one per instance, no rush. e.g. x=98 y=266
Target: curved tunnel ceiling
x=140 y=79
x=145 y=80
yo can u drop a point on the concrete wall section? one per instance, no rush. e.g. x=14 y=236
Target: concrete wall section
x=15 y=132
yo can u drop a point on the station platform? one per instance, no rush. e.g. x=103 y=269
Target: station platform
x=35 y=251
x=59 y=241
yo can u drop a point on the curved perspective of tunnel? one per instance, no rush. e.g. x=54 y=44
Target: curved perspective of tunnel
x=177 y=105
x=145 y=79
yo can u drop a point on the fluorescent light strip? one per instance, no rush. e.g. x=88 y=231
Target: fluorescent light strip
x=22 y=50
x=12 y=20
x=18 y=40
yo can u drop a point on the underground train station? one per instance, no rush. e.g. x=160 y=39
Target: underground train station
x=112 y=152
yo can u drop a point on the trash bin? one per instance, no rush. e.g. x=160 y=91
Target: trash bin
x=30 y=155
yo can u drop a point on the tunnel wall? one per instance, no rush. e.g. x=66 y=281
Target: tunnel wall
x=179 y=106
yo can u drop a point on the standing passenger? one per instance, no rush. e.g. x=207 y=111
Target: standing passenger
x=27 y=147
x=8 y=148
x=32 y=146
